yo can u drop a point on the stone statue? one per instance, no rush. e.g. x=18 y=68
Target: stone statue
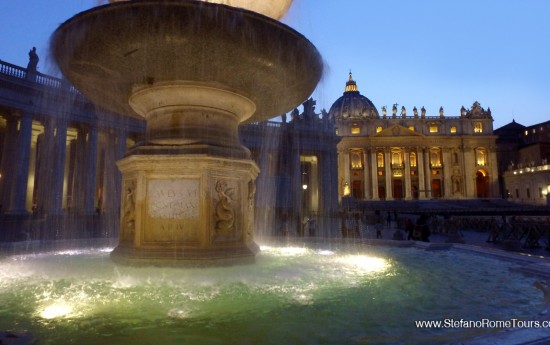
x=544 y=286
x=441 y=112
x=457 y=181
x=384 y=111
x=403 y=112
x=347 y=190
x=394 y=110
x=309 y=108
x=294 y=114
x=283 y=118
x=423 y=112
x=415 y=112
x=33 y=60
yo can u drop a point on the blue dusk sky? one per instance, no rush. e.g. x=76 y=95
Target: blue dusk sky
x=427 y=53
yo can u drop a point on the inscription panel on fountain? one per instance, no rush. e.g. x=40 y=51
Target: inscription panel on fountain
x=173 y=210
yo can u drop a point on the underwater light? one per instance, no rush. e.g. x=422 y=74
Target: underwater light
x=56 y=310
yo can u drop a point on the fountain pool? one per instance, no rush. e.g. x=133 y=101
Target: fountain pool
x=323 y=294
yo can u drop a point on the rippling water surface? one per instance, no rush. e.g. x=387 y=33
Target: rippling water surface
x=292 y=295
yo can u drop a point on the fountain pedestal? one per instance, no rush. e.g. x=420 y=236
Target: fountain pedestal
x=186 y=210
x=188 y=194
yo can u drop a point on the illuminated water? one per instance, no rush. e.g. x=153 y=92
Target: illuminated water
x=291 y=296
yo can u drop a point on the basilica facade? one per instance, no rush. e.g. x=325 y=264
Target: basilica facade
x=404 y=156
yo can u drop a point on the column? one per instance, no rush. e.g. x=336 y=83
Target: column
x=79 y=171
x=109 y=175
x=58 y=169
x=72 y=201
x=90 y=177
x=347 y=177
x=387 y=165
x=493 y=171
x=421 y=173
x=428 y=173
x=447 y=181
x=18 y=199
x=45 y=152
x=469 y=172
x=296 y=180
x=120 y=151
x=407 y=172
x=367 y=188
x=374 y=174
x=8 y=162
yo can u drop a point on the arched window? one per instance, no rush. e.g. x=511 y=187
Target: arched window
x=396 y=158
x=481 y=157
x=478 y=127
x=412 y=159
x=380 y=159
x=435 y=158
x=356 y=159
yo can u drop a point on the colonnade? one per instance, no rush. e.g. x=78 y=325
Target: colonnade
x=51 y=166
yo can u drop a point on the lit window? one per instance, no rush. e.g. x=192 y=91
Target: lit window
x=413 y=159
x=478 y=127
x=355 y=130
x=337 y=132
x=526 y=133
x=378 y=129
x=435 y=158
x=396 y=158
x=434 y=128
x=380 y=159
x=356 y=160
x=453 y=129
x=481 y=157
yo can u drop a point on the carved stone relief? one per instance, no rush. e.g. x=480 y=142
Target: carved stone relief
x=129 y=210
x=225 y=227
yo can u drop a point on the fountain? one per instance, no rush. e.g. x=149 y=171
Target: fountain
x=194 y=71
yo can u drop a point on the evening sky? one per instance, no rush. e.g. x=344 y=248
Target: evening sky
x=427 y=53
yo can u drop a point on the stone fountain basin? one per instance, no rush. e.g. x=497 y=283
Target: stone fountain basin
x=109 y=50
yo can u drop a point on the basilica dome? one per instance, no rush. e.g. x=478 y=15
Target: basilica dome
x=353 y=105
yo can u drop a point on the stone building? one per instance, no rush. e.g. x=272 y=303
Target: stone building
x=409 y=156
x=524 y=156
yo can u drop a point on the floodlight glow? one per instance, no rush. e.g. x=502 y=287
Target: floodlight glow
x=272 y=8
x=56 y=311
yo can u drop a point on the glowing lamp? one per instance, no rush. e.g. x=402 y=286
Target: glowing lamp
x=272 y=8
